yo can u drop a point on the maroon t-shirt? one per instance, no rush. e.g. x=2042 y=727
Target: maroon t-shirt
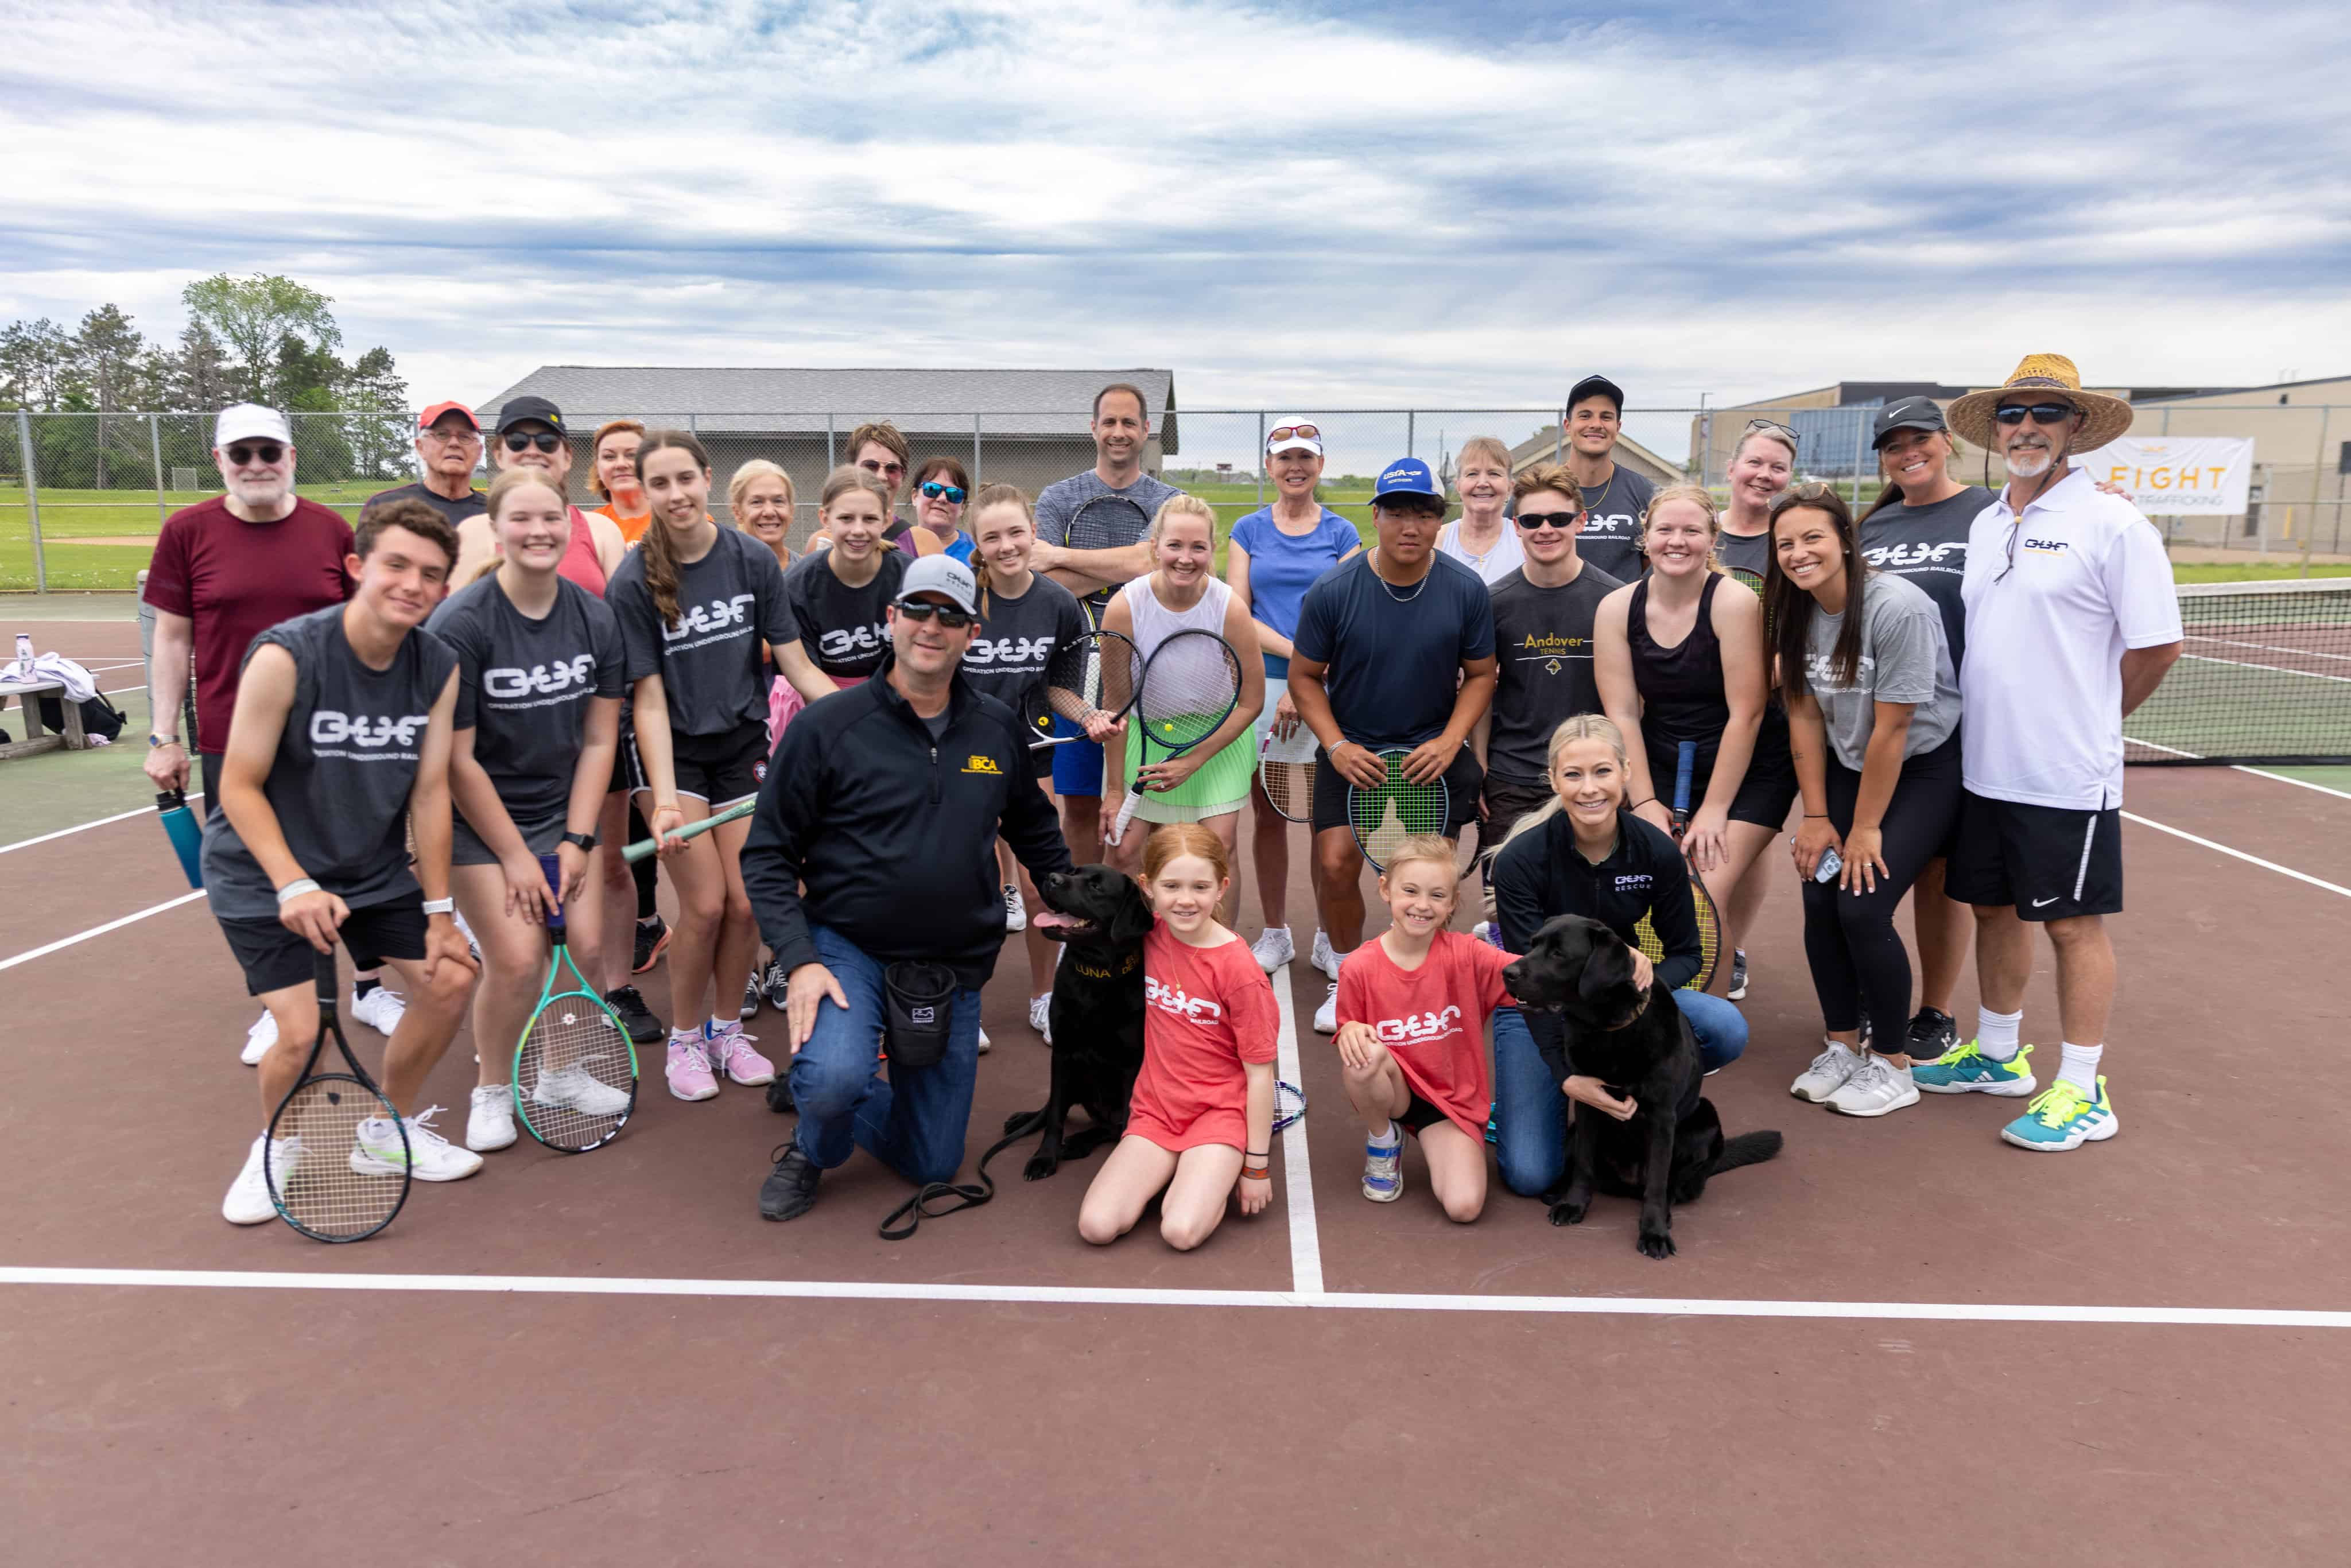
x=234 y=580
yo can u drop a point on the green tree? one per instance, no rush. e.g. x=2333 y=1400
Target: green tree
x=117 y=368
x=375 y=403
x=196 y=375
x=36 y=365
x=257 y=318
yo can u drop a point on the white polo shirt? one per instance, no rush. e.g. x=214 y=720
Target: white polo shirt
x=2041 y=686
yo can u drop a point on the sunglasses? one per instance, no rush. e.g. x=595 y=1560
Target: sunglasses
x=263 y=451
x=1294 y=432
x=923 y=610
x=1529 y=521
x=933 y=490
x=2042 y=412
x=1774 y=425
x=524 y=440
x=891 y=469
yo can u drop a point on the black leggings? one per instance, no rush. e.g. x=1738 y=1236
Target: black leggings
x=644 y=872
x=1857 y=956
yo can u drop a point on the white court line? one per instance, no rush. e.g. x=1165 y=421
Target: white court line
x=1107 y=1296
x=85 y=827
x=2264 y=669
x=2239 y=854
x=2241 y=767
x=1297 y=1176
x=78 y=936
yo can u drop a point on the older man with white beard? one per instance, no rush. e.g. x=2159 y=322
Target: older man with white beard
x=2071 y=623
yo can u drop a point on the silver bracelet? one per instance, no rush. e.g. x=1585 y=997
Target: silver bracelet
x=294 y=890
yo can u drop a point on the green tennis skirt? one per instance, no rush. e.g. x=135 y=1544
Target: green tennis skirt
x=1222 y=784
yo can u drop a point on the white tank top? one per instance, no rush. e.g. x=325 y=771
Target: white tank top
x=1155 y=622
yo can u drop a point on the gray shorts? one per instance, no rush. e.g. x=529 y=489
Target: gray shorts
x=467 y=848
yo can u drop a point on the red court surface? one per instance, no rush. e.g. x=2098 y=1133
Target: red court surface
x=1901 y=1341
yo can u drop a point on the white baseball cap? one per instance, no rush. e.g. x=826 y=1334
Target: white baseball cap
x=1294 y=435
x=250 y=422
x=945 y=575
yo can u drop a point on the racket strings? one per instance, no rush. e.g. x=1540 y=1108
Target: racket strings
x=1399 y=809
x=1290 y=788
x=574 y=1087
x=1189 y=688
x=325 y=1181
x=1091 y=675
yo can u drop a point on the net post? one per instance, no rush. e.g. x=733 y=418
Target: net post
x=32 y=501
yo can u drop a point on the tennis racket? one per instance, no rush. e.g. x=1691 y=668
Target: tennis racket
x=734 y=813
x=1289 y=1104
x=1289 y=787
x=1190 y=686
x=337 y=1158
x=1106 y=522
x=1383 y=817
x=1089 y=675
x=575 y=1068
x=1710 y=920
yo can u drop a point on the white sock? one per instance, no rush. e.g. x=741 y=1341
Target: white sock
x=1277 y=931
x=688 y=1036
x=719 y=1026
x=2078 y=1065
x=1996 y=1033
x=1387 y=1140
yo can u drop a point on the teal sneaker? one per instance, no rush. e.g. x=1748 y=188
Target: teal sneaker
x=2061 y=1117
x=1964 y=1070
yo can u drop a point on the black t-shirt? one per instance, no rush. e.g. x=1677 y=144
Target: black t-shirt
x=524 y=685
x=730 y=605
x=1394 y=655
x=1016 y=638
x=1611 y=527
x=843 y=628
x=1928 y=545
x=1745 y=553
x=473 y=505
x=1542 y=638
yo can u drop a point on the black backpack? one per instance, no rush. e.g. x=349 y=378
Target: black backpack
x=98 y=717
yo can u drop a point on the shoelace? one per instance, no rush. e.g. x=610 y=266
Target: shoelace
x=1828 y=1060
x=1873 y=1073
x=420 y=1126
x=730 y=1041
x=2058 y=1105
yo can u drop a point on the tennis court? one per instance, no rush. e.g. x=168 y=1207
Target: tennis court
x=1901 y=1341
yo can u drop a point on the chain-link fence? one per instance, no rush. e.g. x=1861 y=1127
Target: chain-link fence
x=83 y=494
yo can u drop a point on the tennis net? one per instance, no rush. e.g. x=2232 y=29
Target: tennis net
x=2263 y=677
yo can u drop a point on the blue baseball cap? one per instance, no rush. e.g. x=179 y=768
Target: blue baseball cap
x=1407 y=476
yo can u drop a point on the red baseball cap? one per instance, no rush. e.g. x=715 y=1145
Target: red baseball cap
x=432 y=416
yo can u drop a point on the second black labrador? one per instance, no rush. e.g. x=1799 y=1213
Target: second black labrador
x=1640 y=1045
x=1100 y=916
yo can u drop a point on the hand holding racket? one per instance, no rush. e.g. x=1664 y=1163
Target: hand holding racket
x=1710 y=920
x=575 y=1068
x=1190 y=687
x=659 y=844
x=1091 y=681
x=1359 y=766
x=1398 y=807
x=337 y=1158
x=1707 y=850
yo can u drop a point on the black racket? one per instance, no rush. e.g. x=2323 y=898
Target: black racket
x=337 y=1159
x=1089 y=675
x=1189 y=686
x=1106 y=522
x=1383 y=817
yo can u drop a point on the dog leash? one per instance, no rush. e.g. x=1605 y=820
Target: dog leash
x=941 y=1198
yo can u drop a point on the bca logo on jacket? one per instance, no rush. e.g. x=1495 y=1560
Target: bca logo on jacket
x=1172 y=1000
x=328 y=727
x=539 y=680
x=701 y=620
x=1420 y=1030
x=978 y=763
x=850 y=642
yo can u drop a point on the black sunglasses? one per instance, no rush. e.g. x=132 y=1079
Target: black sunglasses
x=1529 y=521
x=1774 y=425
x=933 y=490
x=2042 y=412
x=524 y=440
x=923 y=610
x=266 y=451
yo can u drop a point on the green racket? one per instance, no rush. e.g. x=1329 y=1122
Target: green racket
x=734 y=813
x=575 y=1070
x=1383 y=818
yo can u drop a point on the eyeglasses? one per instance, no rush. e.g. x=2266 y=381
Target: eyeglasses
x=259 y=451
x=1529 y=521
x=452 y=437
x=892 y=469
x=933 y=490
x=524 y=440
x=1773 y=426
x=1293 y=432
x=2042 y=412
x=923 y=610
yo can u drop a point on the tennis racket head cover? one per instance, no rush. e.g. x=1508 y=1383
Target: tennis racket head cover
x=337 y=1159
x=575 y=1068
x=1189 y=686
x=1383 y=818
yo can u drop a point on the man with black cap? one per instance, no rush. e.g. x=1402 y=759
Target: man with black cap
x=1614 y=497
x=872 y=857
x=448 y=448
x=531 y=434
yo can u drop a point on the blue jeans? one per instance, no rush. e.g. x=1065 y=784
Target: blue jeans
x=913 y=1121
x=1529 y=1111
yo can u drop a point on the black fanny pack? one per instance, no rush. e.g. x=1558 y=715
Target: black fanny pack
x=921 y=1010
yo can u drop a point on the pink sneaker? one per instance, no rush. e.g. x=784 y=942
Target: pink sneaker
x=689 y=1069
x=731 y=1053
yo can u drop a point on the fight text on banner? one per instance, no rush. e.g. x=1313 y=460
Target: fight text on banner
x=2177 y=474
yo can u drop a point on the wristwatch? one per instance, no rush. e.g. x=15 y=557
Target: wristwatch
x=440 y=905
x=580 y=841
x=157 y=742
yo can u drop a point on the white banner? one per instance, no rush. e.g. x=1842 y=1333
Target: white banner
x=2168 y=476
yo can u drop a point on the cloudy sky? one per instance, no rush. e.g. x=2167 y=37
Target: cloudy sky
x=1310 y=203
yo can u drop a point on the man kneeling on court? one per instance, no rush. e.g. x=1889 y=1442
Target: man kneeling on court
x=871 y=868
x=338 y=745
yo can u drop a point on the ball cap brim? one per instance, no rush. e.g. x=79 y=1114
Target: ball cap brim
x=941 y=575
x=250 y=422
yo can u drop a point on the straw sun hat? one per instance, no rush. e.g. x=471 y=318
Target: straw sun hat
x=2103 y=417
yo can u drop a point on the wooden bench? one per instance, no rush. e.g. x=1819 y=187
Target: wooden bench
x=36 y=738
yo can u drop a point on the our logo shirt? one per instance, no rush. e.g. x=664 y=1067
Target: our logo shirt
x=524 y=685
x=1208 y=1012
x=1433 y=1018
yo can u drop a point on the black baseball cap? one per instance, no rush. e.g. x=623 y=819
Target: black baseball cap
x=1589 y=385
x=521 y=409
x=1908 y=413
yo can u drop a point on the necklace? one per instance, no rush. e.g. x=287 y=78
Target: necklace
x=1605 y=491
x=1418 y=587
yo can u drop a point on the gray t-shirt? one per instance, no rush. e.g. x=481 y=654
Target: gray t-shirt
x=1928 y=545
x=471 y=505
x=1016 y=637
x=1904 y=659
x=1059 y=502
x=1749 y=554
x=1611 y=527
x=730 y=603
x=524 y=684
x=844 y=629
x=1543 y=637
x=345 y=764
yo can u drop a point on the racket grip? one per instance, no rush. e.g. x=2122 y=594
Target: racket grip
x=552 y=869
x=322 y=970
x=1126 y=814
x=1683 y=765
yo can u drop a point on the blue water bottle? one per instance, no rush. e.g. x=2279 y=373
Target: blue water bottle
x=187 y=834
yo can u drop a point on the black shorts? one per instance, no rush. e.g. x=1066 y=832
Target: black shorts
x=623 y=758
x=1766 y=790
x=539 y=834
x=2050 y=862
x=273 y=957
x=1419 y=1113
x=1507 y=801
x=718 y=769
x=1464 y=781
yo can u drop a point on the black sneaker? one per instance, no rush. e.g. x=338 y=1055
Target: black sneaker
x=651 y=940
x=1737 y=990
x=779 y=1092
x=778 y=985
x=1933 y=1034
x=789 y=1190
x=634 y=1016
x=751 y=996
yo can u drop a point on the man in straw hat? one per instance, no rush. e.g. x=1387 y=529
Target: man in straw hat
x=2071 y=623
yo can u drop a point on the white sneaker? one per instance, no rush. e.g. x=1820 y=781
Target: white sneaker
x=1326 y=1017
x=1325 y=957
x=489 y=1125
x=1273 y=949
x=381 y=1010
x=1877 y=1087
x=985 y=1042
x=580 y=1090
x=1827 y=1074
x=473 y=943
x=1016 y=914
x=430 y=1156
x=257 y=1042
x=1041 y=1016
x=248 y=1202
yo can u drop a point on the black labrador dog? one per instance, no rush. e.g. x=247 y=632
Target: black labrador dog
x=1100 y=916
x=1641 y=1046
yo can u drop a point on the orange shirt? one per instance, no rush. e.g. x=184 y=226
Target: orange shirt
x=632 y=528
x=1208 y=1012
